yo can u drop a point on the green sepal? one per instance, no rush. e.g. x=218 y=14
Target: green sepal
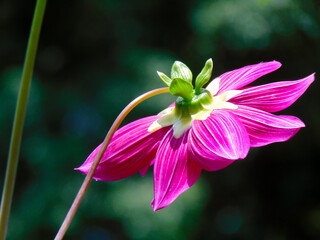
x=182 y=88
x=180 y=70
x=164 y=78
x=204 y=75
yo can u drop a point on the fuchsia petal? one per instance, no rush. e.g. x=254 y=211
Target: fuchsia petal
x=241 y=77
x=219 y=140
x=143 y=171
x=265 y=128
x=131 y=149
x=174 y=171
x=273 y=97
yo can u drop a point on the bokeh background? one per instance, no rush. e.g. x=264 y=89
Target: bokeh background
x=95 y=56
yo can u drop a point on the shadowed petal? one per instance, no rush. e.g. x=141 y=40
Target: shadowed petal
x=241 y=77
x=218 y=140
x=265 y=128
x=174 y=172
x=131 y=149
x=273 y=97
x=143 y=171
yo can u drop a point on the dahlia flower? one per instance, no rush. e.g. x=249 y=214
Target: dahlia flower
x=206 y=128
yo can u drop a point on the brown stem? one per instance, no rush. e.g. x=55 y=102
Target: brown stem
x=66 y=223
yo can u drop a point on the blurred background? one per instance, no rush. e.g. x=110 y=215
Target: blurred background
x=95 y=56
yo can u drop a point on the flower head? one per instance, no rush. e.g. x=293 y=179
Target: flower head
x=206 y=128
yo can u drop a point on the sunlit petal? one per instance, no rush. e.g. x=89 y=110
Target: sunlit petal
x=241 y=77
x=218 y=140
x=174 y=171
x=273 y=97
x=265 y=128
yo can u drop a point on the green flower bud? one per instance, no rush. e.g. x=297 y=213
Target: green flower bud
x=180 y=70
x=204 y=75
x=164 y=78
x=182 y=88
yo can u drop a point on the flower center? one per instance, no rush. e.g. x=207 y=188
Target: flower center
x=187 y=108
x=191 y=104
x=185 y=112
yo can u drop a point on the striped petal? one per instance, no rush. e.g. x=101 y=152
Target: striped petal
x=219 y=140
x=174 y=171
x=273 y=97
x=241 y=77
x=265 y=128
x=132 y=148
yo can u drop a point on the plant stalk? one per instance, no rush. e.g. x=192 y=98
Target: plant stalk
x=20 y=113
x=66 y=223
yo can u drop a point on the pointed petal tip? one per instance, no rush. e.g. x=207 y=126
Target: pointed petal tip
x=143 y=171
x=300 y=123
x=157 y=207
x=275 y=63
x=85 y=170
x=82 y=169
x=311 y=77
x=308 y=79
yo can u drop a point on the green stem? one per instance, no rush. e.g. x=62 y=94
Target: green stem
x=72 y=211
x=20 y=116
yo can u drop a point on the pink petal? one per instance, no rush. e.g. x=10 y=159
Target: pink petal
x=219 y=140
x=143 y=171
x=174 y=171
x=273 y=97
x=131 y=149
x=265 y=128
x=241 y=77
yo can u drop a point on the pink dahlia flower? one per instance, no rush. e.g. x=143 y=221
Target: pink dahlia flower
x=207 y=128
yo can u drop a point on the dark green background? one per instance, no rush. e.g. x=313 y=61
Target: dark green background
x=95 y=56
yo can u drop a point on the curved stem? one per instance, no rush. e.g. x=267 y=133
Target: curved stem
x=97 y=159
x=20 y=116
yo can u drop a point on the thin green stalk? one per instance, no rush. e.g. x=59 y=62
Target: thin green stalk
x=84 y=187
x=15 y=143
